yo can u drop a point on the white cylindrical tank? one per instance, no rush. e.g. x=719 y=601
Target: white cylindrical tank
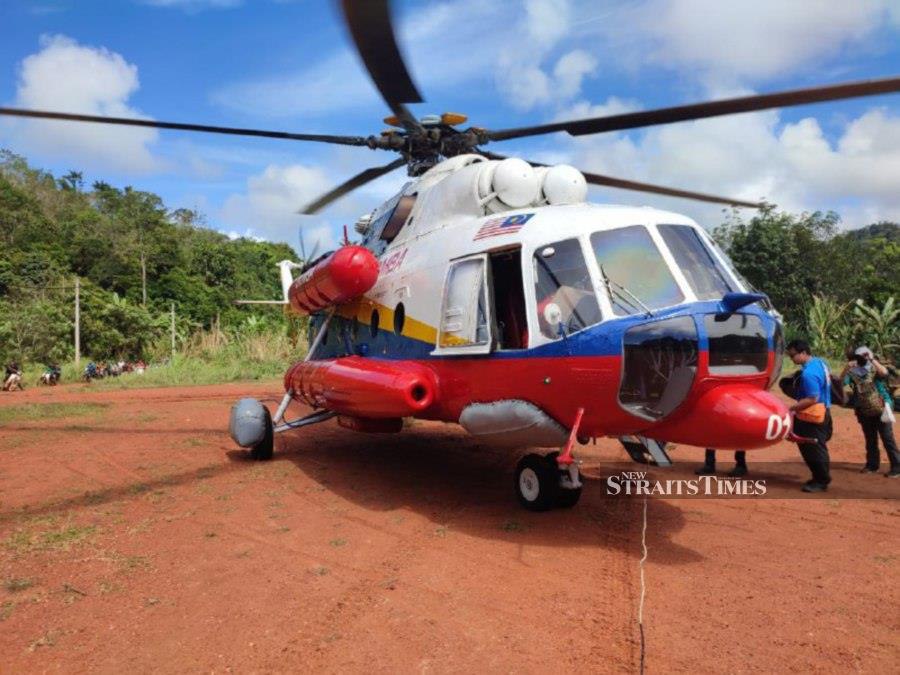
x=564 y=184
x=509 y=183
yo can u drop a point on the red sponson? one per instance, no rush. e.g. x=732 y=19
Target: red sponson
x=343 y=276
x=363 y=387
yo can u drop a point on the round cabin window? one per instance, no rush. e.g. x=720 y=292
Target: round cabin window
x=399 y=318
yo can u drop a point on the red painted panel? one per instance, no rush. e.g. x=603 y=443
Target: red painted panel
x=721 y=412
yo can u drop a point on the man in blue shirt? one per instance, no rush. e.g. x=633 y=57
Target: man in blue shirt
x=812 y=414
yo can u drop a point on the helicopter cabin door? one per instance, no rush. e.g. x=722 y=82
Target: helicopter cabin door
x=465 y=321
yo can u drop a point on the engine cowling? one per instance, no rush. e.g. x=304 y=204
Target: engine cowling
x=363 y=387
x=343 y=276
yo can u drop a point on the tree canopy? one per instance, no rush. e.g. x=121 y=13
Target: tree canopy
x=121 y=243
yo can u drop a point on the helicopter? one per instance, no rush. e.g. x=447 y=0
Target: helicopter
x=488 y=293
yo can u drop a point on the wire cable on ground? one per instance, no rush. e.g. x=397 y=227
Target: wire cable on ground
x=643 y=586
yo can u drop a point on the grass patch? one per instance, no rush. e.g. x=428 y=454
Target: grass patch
x=187 y=371
x=512 y=526
x=48 y=639
x=67 y=536
x=48 y=411
x=338 y=543
x=16 y=585
x=64 y=537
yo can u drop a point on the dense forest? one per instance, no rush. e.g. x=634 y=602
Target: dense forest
x=835 y=288
x=134 y=257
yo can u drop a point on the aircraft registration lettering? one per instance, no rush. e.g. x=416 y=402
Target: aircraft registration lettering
x=393 y=262
x=503 y=225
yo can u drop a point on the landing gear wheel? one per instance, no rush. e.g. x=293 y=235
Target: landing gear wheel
x=537 y=482
x=265 y=448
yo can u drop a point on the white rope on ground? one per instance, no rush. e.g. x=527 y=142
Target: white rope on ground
x=643 y=585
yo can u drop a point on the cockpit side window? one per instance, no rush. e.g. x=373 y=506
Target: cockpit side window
x=705 y=275
x=398 y=218
x=566 y=302
x=635 y=273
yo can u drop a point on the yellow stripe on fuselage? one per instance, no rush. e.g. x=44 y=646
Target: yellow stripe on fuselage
x=361 y=310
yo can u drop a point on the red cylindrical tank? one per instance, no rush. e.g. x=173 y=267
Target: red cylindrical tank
x=343 y=276
x=364 y=387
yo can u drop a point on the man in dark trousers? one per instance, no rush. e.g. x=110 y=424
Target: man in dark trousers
x=872 y=402
x=812 y=414
x=709 y=464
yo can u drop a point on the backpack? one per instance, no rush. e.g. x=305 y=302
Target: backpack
x=869 y=402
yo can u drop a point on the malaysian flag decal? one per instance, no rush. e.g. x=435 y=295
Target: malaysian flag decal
x=503 y=225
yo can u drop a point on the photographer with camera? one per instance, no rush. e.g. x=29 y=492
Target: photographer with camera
x=873 y=405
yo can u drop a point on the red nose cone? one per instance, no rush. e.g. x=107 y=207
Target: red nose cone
x=729 y=417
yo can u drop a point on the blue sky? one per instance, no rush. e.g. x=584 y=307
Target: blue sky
x=289 y=65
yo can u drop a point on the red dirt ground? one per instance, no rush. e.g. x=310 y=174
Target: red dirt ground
x=136 y=537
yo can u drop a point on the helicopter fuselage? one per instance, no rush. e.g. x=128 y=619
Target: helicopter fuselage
x=615 y=311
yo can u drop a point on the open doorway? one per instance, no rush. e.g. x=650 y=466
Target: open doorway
x=509 y=299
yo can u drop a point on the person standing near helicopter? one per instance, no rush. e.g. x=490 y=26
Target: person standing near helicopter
x=812 y=413
x=872 y=403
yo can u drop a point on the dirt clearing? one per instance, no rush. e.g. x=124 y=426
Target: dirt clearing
x=135 y=537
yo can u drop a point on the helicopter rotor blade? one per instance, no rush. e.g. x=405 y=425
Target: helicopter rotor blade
x=369 y=22
x=348 y=186
x=623 y=184
x=156 y=124
x=696 y=111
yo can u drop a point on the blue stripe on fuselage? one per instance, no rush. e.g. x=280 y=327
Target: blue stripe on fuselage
x=602 y=339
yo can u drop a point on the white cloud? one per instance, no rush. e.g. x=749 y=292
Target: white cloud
x=68 y=77
x=268 y=208
x=750 y=39
x=570 y=70
x=546 y=22
x=755 y=156
x=583 y=109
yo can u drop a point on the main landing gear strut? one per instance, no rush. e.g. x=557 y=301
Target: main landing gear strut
x=546 y=481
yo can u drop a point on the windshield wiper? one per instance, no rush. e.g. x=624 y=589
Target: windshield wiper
x=609 y=283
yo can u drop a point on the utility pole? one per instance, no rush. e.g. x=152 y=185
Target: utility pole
x=173 y=331
x=143 y=274
x=77 y=321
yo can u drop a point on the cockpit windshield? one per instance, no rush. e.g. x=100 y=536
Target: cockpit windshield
x=703 y=272
x=631 y=260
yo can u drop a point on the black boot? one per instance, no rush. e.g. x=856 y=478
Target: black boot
x=709 y=464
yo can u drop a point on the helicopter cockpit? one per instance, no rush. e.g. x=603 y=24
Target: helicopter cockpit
x=662 y=283
x=638 y=269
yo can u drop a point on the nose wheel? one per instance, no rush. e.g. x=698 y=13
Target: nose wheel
x=542 y=484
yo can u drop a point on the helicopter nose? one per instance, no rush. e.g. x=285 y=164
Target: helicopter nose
x=729 y=417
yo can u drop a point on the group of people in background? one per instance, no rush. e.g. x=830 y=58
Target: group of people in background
x=862 y=385
x=96 y=371
x=12 y=379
